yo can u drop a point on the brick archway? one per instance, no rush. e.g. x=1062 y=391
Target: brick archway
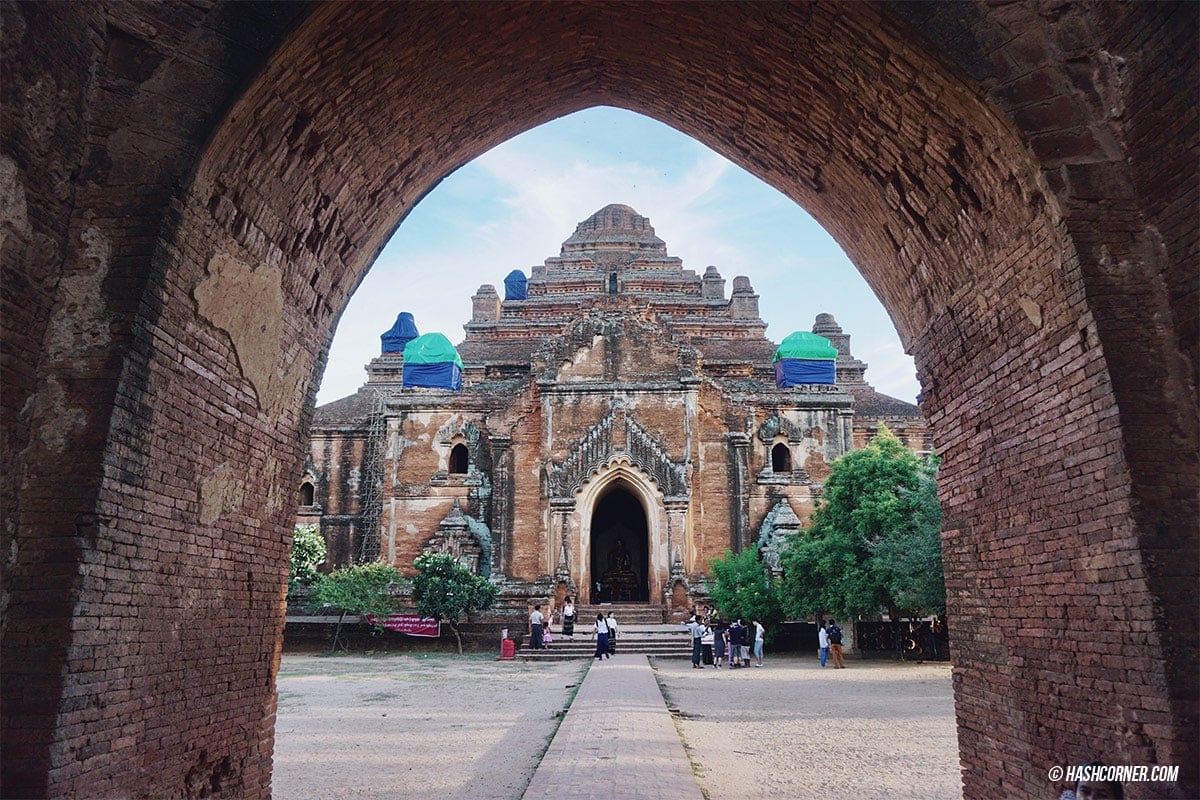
x=1018 y=187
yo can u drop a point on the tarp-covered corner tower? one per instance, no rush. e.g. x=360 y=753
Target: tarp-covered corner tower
x=516 y=287
x=404 y=331
x=805 y=358
x=431 y=361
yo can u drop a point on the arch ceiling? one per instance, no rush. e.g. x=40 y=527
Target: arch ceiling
x=192 y=194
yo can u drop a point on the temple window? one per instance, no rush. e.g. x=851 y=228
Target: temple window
x=459 y=459
x=306 y=494
x=781 y=458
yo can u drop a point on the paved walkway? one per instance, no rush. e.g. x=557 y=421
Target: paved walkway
x=617 y=741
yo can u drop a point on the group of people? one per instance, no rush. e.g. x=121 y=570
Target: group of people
x=604 y=630
x=713 y=640
x=829 y=643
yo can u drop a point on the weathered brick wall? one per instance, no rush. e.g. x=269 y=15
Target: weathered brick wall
x=337 y=492
x=1012 y=180
x=103 y=121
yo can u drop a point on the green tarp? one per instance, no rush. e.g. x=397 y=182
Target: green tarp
x=803 y=344
x=431 y=348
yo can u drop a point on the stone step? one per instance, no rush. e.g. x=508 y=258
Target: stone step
x=660 y=641
x=623 y=613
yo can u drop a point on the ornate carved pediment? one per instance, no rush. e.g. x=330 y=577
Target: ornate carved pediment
x=457 y=429
x=617 y=435
x=775 y=425
x=465 y=538
x=780 y=523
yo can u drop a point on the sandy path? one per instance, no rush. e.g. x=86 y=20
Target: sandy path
x=409 y=726
x=792 y=730
x=442 y=726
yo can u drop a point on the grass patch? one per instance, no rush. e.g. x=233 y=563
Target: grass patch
x=677 y=715
x=563 y=714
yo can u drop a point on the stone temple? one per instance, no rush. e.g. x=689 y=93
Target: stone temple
x=618 y=427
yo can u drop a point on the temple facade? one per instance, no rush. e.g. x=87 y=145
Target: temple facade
x=618 y=427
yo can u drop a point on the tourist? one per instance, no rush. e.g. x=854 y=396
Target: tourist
x=941 y=643
x=745 y=646
x=706 y=646
x=568 y=619
x=600 y=631
x=696 y=629
x=835 y=644
x=760 y=636
x=823 y=643
x=735 y=645
x=535 y=627
x=718 y=644
x=546 y=638
x=612 y=634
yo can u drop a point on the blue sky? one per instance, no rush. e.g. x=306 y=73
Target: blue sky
x=513 y=207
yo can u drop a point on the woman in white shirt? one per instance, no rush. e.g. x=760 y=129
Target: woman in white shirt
x=568 y=619
x=600 y=631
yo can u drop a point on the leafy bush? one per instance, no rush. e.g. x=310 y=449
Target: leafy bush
x=445 y=589
x=744 y=590
x=362 y=589
x=308 y=553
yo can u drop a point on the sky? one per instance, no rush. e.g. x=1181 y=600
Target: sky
x=513 y=207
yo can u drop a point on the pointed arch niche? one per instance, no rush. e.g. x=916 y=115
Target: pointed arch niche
x=620 y=500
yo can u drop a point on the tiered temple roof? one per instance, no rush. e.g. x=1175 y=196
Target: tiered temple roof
x=615 y=265
x=615 y=260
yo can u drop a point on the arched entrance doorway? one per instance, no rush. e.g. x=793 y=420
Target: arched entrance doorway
x=619 y=548
x=1001 y=175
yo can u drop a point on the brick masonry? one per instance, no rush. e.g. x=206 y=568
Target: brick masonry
x=1017 y=182
x=619 y=370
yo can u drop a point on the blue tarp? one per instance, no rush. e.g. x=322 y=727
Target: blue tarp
x=403 y=332
x=803 y=344
x=515 y=286
x=799 y=371
x=439 y=375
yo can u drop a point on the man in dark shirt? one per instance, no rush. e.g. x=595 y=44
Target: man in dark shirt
x=835 y=644
x=735 y=644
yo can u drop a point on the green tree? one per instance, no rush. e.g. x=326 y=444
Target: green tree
x=446 y=590
x=743 y=589
x=308 y=553
x=874 y=540
x=365 y=589
x=909 y=561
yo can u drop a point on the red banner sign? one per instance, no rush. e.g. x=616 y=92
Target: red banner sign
x=410 y=624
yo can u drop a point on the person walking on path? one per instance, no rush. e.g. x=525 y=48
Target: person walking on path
x=568 y=619
x=823 y=643
x=600 y=631
x=835 y=644
x=696 y=629
x=612 y=634
x=535 y=627
x=760 y=637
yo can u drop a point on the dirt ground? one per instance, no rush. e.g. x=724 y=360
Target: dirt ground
x=791 y=730
x=396 y=726
x=445 y=726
